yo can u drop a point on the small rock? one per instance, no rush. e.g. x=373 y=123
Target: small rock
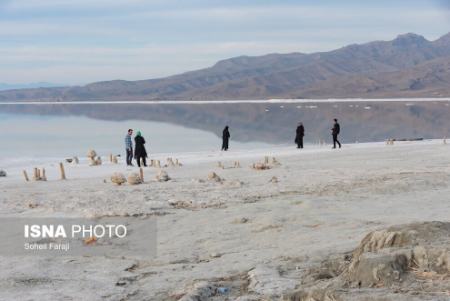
x=90 y=240
x=274 y=180
x=215 y=255
x=260 y=166
x=33 y=205
x=95 y=161
x=121 y=283
x=2 y=173
x=223 y=290
x=234 y=183
x=212 y=176
x=242 y=220
x=181 y=204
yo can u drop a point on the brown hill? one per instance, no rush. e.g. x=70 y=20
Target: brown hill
x=408 y=66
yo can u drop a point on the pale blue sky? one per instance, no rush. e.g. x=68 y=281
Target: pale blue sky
x=80 y=41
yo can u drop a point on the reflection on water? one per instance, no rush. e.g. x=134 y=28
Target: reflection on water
x=268 y=123
x=53 y=136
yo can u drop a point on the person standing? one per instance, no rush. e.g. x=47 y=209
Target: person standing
x=300 y=133
x=335 y=131
x=129 y=147
x=140 y=153
x=225 y=138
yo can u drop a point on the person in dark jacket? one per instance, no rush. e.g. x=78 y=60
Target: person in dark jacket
x=225 y=138
x=139 y=149
x=335 y=132
x=300 y=133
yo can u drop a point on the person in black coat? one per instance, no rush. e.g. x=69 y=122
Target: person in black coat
x=300 y=133
x=139 y=149
x=335 y=132
x=225 y=138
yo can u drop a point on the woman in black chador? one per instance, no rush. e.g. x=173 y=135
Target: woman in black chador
x=225 y=138
x=300 y=133
x=139 y=149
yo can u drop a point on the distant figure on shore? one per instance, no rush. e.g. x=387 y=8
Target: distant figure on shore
x=335 y=132
x=225 y=138
x=140 y=153
x=129 y=147
x=300 y=133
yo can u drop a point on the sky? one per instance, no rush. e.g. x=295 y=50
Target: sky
x=80 y=41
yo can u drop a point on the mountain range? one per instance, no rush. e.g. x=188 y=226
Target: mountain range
x=408 y=66
x=7 y=86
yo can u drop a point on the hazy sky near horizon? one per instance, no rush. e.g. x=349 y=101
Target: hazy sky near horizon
x=81 y=41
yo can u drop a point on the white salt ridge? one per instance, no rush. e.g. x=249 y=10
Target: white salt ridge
x=257 y=101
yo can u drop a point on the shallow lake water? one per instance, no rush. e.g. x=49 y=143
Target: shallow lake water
x=64 y=130
x=54 y=136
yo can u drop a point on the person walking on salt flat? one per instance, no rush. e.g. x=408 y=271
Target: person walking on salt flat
x=335 y=132
x=225 y=138
x=129 y=147
x=300 y=133
x=140 y=154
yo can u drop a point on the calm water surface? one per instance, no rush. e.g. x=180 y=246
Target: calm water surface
x=24 y=135
x=71 y=129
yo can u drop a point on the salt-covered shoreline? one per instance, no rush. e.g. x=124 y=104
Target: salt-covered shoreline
x=247 y=237
x=231 y=101
x=15 y=166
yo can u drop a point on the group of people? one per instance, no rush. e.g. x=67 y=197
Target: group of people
x=140 y=153
x=335 y=131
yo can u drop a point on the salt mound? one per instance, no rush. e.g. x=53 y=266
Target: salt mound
x=91 y=154
x=406 y=262
x=170 y=162
x=162 y=176
x=266 y=164
x=118 y=178
x=134 y=179
x=261 y=166
x=212 y=176
x=388 y=256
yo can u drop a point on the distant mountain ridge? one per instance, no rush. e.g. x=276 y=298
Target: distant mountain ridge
x=7 y=86
x=408 y=66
